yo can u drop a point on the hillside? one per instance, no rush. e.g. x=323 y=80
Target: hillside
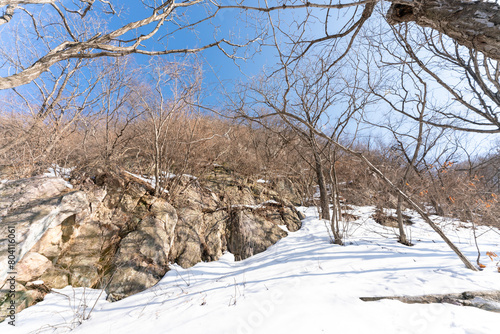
x=302 y=284
x=249 y=167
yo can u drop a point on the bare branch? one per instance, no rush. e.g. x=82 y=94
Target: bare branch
x=110 y=45
x=305 y=5
x=25 y=2
x=7 y=16
x=474 y=24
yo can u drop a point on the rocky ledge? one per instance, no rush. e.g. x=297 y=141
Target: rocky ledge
x=110 y=232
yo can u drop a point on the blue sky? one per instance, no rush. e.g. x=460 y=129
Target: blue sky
x=229 y=24
x=219 y=70
x=217 y=67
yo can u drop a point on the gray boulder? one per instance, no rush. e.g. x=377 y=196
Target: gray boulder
x=142 y=257
x=30 y=207
x=250 y=233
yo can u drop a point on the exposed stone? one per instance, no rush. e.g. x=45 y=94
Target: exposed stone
x=40 y=211
x=195 y=196
x=215 y=240
x=300 y=215
x=286 y=188
x=142 y=257
x=384 y=219
x=83 y=246
x=17 y=193
x=31 y=267
x=22 y=299
x=131 y=281
x=119 y=237
x=250 y=233
x=239 y=195
x=187 y=248
x=291 y=218
x=50 y=243
x=56 y=278
x=205 y=237
x=165 y=214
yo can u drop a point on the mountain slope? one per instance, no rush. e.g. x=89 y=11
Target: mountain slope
x=302 y=284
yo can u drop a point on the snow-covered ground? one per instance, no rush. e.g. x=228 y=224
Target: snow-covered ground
x=302 y=284
x=58 y=171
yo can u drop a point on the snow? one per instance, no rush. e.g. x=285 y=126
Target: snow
x=37 y=282
x=152 y=180
x=58 y=171
x=253 y=207
x=284 y=228
x=302 y=284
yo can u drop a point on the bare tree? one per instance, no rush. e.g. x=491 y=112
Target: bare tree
x=354 y=108
x=321 y=96
x=294 y=118
x=400 y=86
x=489 y=167
x=66 y=95
x=82 y=33
x=462 y=88
x=171 y=91
x=314 y=89
x=281 y=106
x=473 y=24
x=117 y=111
x=470 y=81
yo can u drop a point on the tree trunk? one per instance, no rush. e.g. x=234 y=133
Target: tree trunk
x=157 y=163
x=323 y=191
x=336 y=209
x=474 y=24
x=411 y=203
x=402 y=234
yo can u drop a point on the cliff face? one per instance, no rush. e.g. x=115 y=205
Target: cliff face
x=112 y=233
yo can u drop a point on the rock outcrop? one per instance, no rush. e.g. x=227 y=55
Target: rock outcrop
x=112 y=233
x=30 y=207
x=142 y=256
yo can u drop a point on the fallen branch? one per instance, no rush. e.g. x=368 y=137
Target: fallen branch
x=485 y=300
